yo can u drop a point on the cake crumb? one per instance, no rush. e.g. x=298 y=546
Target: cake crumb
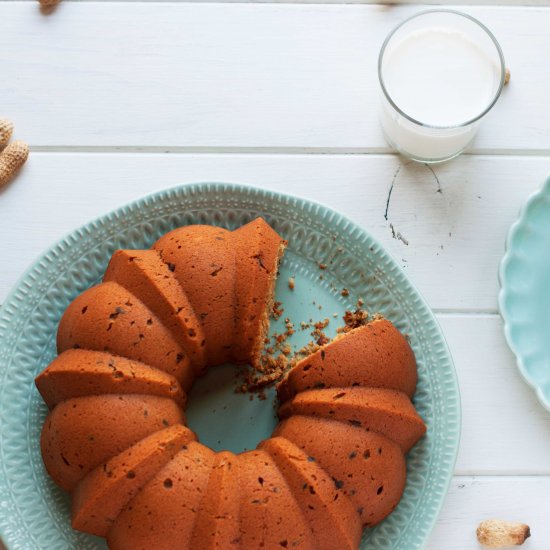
x=308 y=349
x=278 y=356
x=319 y=336
x=277 y=310
x=354 y=319
x=271 y=370
x=289 y=326
x=345 y=292
x=291 y=283
x=322 y=266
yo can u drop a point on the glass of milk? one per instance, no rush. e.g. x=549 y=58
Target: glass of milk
x=440 y=73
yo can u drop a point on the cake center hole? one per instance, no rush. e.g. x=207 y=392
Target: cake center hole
x=225 y=420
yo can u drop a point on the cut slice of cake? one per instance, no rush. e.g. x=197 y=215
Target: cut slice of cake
x=375 y=355
x=259 y=249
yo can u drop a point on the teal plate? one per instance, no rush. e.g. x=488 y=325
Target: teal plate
x=35 y=514
x=524 y=298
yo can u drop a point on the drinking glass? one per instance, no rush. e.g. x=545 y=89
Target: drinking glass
x=440 y=73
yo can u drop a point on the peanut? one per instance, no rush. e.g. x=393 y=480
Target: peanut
x=12 y=159
x=48 y=3
x=496 y=533
x=6 y=130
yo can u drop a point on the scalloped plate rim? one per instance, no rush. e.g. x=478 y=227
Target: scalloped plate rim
x=503 y=294
x=265 y=192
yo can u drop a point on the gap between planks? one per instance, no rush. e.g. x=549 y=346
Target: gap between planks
x=500 y=474
x=294 y=150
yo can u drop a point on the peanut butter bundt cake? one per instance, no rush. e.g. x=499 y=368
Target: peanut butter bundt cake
x=129 y=351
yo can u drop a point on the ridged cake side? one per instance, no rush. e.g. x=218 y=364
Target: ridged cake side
x=84 y=432
x=103 y=493
x=80 y=372
x=331 y=515
x=107 y=317
x=270 y=515
x=163 y=514
x=148 y=278
x=374 y=355
x=369 y=468
x=218 y=520
x=387 y=412
x=203 y=260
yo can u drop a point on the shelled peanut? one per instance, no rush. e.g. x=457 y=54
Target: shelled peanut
x=48 y=3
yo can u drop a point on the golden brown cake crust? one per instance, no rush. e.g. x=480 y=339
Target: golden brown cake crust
x=107 y=317
x=81 y=372
x=162 y=516
x=217 y=524
x=267 y=504
x=148 y=278
x=204 y=264
x=334 y=521
x=82 y=433
x=368 y=467
x=375 y=355
x=387 y=412
x=103 y=493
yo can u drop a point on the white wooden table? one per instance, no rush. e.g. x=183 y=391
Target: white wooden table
x=121 y=99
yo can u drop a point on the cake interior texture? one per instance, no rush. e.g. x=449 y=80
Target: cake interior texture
x=129 y=350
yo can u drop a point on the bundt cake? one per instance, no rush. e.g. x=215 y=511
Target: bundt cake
x=129 y=351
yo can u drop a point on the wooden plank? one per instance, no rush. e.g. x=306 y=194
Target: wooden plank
x=474 y=499
x=455 y=237
x=379 y=2
x=504 y=428
x=275 y=76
